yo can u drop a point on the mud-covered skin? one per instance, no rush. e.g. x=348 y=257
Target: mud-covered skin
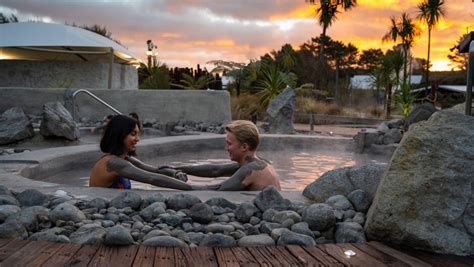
x=255 y=174
x=165 y=170
x=127 y=169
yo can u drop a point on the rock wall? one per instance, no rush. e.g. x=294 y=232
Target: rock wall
x=66 y=74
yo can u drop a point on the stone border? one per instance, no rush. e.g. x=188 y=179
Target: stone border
x=19 y=171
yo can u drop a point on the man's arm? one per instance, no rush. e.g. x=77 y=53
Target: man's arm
x=211 y=170
x=168 y=171
x=125 y=168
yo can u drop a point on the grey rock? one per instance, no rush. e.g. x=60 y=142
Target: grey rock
x=112 y=217
x=126 y=199
x=67 y=212
x=8 y=200
x=32 y=197
x=302 y=228
x=349 y=232
x=348 y=214
x=152 y=198
x=319 y=217
x=182 y=201
x=339 y=202
x=152 y=211
x=395 y=123
x=201 y=213
x=270 y=198
x=392 y=136
x=196 y=238
x=155 y=233
x=50 y=235
x=32 y=217
x=276 y=233
x=118 y=236
x=360 y=200
x=267 y=227
x=98 y=203
x=422 y=206
x=12 y=229
x=345 y=180
x=164 y=241
x=245 y=211
x=288 y=223
x=254 y=220
x=222 y=218
x=58 y=122
x=282 y=216
x=280 y=111
x=107 y=223
x=256 y=240
x=219 y=228
x=172 y=220
x=359 y=218
x=5 y=191
x=90 y=234
x=217 y=240
x=221 y=202
x=8 y=210
x=15 y=126
x=420 y=113
x=268 y=215
x=291 y=238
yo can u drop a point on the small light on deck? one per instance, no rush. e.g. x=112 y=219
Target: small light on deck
x=349 y=253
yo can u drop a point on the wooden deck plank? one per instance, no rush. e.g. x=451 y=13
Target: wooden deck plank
x=11 y=247
x=83 y=256
x=322 y=256
x=303 y=256
x=202 y=256
x=244 y=256
x=262 y=258
x=62 y=256
x=412 y=261
x=337 y=252
x=439 y=259
x=114 y=256
x=4 y=242
x=280 y=255
x=179 y=258
x=32 y=254
x=164 y=256
x=145 y=256
x=225 y=257
x=377 y=254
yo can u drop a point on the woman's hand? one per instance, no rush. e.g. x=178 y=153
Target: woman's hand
x=180 y=176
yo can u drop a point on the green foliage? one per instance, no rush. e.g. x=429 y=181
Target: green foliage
x=458 y=60
x=158 y=78
x=371 y=59
x=189 y=82
x=272 y=82
x=404 y=98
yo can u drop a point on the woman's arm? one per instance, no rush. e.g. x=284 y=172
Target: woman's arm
x=168 y=171
x=125 y=168
x=211 y=170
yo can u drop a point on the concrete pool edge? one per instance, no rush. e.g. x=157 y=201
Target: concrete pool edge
x=16 y=170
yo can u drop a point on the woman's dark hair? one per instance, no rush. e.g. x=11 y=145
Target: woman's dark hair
x=115 y=132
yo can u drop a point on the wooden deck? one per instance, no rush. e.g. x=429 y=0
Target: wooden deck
x=38 y=253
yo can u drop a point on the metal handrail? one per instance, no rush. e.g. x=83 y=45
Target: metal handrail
x=95 y=98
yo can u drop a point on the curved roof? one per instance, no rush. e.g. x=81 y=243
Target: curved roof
x=38 y=40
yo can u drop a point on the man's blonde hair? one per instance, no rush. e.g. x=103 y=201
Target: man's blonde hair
x=245 y=132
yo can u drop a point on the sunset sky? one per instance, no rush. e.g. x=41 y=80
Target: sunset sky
x=190 y=32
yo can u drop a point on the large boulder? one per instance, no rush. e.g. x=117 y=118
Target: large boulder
x=420 y=113
x=345 y=180
x=58 y=122
x=425 y=200
x=15 y=126
x=270 y=198
x=280 y=112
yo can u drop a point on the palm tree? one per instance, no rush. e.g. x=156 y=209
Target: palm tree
x=406 y=31
x=430 y=12
x=326 y=12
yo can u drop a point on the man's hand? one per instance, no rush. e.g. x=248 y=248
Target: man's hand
x=181 y=176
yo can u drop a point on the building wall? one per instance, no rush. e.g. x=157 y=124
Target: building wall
x=163 y=105
x=66 y=74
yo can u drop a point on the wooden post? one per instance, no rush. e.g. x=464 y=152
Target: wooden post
x=111 y=67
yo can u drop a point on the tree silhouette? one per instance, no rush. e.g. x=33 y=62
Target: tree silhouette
x=430 y=12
